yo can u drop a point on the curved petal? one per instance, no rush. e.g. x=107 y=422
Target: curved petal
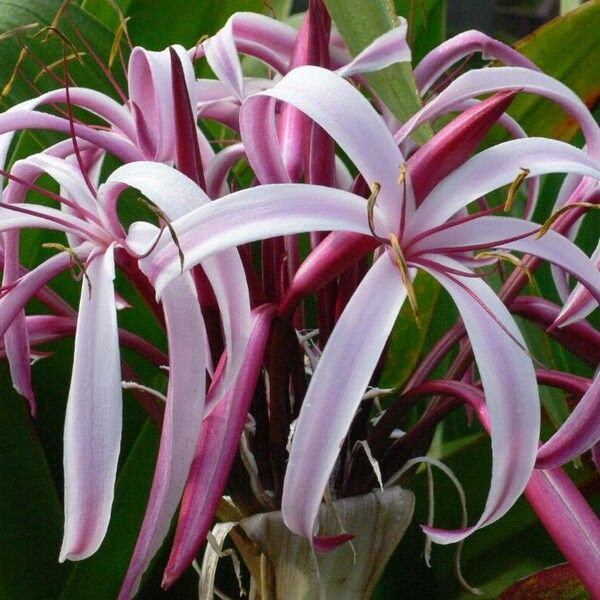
x=494 y=168
x=13 y=301
x=150 y=77
x=580 y=301
x=335 y=391
x=215 y=453
x=442 y=57
x=346 y=115
x=387 y=49
x=513 y=234
x=93 y=420
x=510 y=389
x=110 y=141
x=577 y=434
x=219 y=167
x=262 y=37
x=221 y=54
x=253 y=214
x=181 y=424
x=481 y=81
x=177 y=195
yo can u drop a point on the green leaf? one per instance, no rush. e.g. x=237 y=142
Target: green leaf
x=407 y=339
x=86 y=74
x=574 y=38
x=104 y=11
x=426 y=24
x=100 y=576
x=155 y=25
x=360 y=23
x=568 y=5
x=31 y=517
x=560 y=581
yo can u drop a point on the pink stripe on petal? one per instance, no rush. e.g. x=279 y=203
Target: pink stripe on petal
x=577 y=434
x=215 y=453
x=451 y=51
x=494 y=168
x=346 y=115
x=335 y=391
x=387 y=49
x=258 y=213
x=93 y=419
x=181 y=424
x=510 y=389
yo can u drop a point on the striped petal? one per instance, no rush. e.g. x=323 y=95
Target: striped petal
x=253 y=214
x=494 y=168
x=577 y=434
x=510 y=389
x=181 y=424
x=346 y=115
x=93 y=419
x=335 y=391
x=482 y=81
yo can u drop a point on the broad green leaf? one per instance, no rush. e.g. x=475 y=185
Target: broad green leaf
x=105 y=12
x=426 y=24
x=30 y=512
x=566 y=48
x=568 y=5
x=42 y=12
x=560 y=581
x=155 y=25
x=407 y=339
x=360 y=23
x=100 y=576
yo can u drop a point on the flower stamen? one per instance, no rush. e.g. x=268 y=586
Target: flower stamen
x=403 y=268
x=514 y=188
x=161 y=215
x=77 y=262
x=375 y=189
x=554 y=216
x=508 y=257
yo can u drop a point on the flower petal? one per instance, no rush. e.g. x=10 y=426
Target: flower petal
x=387 y=49
x=253 y=214
x=181 y=423
x=481 y=81
x=577 y=434
x=262 y=37
x=348 y=118
x=177 y=195
x=93 y=419
x=215 y=453
x=442 y=57
x=150 y=76
x=510 y=389
x=494 y=168
x=335 y=391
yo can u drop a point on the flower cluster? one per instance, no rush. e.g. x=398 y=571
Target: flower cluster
x=343 y=205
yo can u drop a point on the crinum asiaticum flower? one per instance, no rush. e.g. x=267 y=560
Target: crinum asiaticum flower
x=413 y=224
